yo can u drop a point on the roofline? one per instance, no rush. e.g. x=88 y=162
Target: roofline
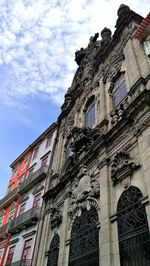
x=50 y=129
x=141 y=30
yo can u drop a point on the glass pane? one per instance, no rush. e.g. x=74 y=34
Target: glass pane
x=119 y=94
x=90 y=114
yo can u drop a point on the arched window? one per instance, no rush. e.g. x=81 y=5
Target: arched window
x=53 y=251
x=119 y=90
x=90 y=113
x=133 y=231
x=84 y=245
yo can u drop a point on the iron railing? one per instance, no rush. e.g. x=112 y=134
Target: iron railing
x=20 y=263
x=24 y=220
x=9 y=197
x=33 y=179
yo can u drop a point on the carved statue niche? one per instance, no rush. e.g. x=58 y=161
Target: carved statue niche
x=85 y=185
x=122 y=166
x=55 y=214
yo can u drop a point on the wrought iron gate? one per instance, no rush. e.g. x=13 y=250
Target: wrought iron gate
x=53 y=251
x=84 y=246
x=133 y=231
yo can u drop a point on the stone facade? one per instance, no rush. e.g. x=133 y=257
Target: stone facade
x=106 y=160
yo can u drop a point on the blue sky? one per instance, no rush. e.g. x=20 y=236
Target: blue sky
x=38 y=39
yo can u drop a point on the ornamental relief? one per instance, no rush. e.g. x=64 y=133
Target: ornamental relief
x=122 y=166
x=55 y=214
x=85 y=186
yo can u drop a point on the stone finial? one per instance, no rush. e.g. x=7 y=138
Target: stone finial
x=106 y=33
x=123 y=9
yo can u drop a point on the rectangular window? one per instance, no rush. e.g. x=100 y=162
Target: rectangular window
x=90 y=114
x=147 y=48
x=11 y=215
x=14 y=171
x=37 y=200
x=27 y=249
x=1 y=221
x=20 y=179
x=10 y=188
x=22 y=209
x=30 y=172
x=44 y=160
x=10 y=255
x=1 y=253
x=35 y=153
x=25 y=162
x=48 y=141
x=119 y=90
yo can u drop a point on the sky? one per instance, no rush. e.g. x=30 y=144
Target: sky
x=38 y=39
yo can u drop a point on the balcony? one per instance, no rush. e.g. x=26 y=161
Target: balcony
x=33 y=179
x=9 y=198
x=3 y=231
x=24 y=220
x=20 y=263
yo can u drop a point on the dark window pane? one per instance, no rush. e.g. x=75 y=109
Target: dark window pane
x=90 y=114
x=119 y=91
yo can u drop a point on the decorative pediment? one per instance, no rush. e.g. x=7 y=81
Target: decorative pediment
x=122 y=166
x=55 y=214
x=85 y=185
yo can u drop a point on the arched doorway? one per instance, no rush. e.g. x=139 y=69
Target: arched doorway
x=84 y=245
x=53 y=251
x=133 y=231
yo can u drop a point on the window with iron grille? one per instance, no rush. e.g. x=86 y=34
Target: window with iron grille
x=27 y=249
x=133 y=231
x=119 y=91
x=84 y=242
x=90 y=113
x=37 y=200
x=53 y=251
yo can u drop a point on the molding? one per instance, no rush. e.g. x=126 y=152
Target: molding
x=29 y=234
x=13 y=241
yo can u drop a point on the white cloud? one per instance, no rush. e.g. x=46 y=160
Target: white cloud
x=38 y=39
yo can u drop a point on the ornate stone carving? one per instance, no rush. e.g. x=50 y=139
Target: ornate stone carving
x=122 y=166
x=85 y=186
x=80 y=139
x=55 y=214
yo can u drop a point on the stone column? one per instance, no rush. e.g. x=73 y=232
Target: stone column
x=105 y=252
x=63 y=253
x=44 y=242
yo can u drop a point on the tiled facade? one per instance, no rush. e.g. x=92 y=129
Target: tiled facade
x=21 y=207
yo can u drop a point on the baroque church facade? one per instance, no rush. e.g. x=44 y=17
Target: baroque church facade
x=96 y=209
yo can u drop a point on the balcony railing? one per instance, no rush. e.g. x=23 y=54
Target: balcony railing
x=8 y=198
x=20 y=263
x=3 y=231
x=24 y=220
x=33 y=179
